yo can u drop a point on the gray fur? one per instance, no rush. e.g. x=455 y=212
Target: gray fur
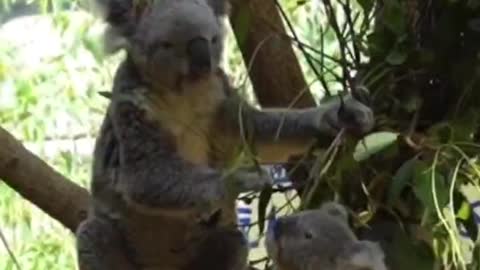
x=162 y=192
x=321 y=240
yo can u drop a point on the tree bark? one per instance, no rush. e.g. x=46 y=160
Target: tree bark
x=275 y=73
x=40 y=184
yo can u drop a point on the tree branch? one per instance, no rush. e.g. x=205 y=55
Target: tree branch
x=275 y=73
x=37 y=182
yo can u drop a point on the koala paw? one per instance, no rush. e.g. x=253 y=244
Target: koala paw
x=353 y=115
x=245 y=180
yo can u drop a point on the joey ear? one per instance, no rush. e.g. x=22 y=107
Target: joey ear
x=220 y=7
x=335 y=210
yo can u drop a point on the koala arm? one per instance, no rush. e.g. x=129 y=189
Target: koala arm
x=280 y=133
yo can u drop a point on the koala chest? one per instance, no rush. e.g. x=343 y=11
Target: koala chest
x=189 y=116
x=190 y=130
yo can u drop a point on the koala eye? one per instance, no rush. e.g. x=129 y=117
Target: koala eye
x=214 y=39
x=308 y=235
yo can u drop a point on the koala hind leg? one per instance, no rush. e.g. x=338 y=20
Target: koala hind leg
x=99 y=247
x=222 y=249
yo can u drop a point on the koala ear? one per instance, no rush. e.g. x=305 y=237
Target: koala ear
x=220 y=7
x=335 y=210
x=122 y=17
x=122 y=14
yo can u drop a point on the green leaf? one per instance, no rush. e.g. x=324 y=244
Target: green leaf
x=423 y=186
x=263 y=201
x=397 y=57
x=92 y=45
x=441 y=132
x=406 y=253
x=373 y=144
x=464 y=211
x=401 y=179
x=394 y=17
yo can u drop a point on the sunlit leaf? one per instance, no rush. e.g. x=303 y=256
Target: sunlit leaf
x=373 y=144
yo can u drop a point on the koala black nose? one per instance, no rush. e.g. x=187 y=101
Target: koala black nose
x=198 y=51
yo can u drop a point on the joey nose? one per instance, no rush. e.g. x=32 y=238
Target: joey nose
x=198 y=51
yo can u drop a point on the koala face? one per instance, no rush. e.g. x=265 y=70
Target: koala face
x=170 y=40
x=320 y=239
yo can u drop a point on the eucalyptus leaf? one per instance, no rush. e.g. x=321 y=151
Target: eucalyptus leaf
x=401 y=179
x=373 y=144
x=397 y=57
x=263 y=201
x=424 y=189
x=406 y=253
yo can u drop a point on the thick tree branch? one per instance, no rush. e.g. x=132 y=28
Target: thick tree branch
x=37 y=182
x=275 y=73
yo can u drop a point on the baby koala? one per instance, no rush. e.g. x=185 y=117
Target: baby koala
x=320 y=240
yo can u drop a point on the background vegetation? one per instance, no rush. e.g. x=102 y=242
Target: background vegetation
x=414 y=181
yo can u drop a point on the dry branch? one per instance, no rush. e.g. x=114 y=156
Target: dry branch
x=37 y=182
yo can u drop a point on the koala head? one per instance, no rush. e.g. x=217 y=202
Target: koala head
x=168 y=40
x=320 y=239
